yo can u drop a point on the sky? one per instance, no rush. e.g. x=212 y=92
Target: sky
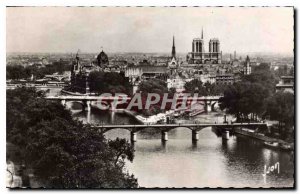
x=148 y=29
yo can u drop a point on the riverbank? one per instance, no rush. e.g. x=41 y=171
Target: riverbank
x=154 y=119
x=72 y=93
x=262 y=137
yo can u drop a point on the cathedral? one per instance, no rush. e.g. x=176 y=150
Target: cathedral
x=173 y=63
x=198 y=54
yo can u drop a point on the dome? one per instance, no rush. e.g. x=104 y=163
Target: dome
x=102 y=58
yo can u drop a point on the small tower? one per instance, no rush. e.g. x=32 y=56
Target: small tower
x=247 y=66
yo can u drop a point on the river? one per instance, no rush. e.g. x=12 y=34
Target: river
x=238 y=162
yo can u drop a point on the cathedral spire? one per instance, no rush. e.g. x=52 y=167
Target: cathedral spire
x=173 y=48
x=173 y=41
x=202 y=34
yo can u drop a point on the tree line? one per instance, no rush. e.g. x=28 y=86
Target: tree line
x=255 y=98
x=17 y=72
x=109 y=82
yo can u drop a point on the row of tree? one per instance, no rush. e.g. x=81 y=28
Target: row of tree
x=17 y=72
x=155 y=86
x=256 y=97
x=63 y=152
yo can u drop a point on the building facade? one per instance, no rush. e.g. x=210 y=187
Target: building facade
x=200 y=56
x=286 y=84
x=80 y=72
x=225 y=79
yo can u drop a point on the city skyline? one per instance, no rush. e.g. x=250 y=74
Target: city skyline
x=142 y=30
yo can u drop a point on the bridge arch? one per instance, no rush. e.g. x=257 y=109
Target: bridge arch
x=214 y=105
x=183 y=127
x=117 y=128
x=70 y=104
x=100 y=104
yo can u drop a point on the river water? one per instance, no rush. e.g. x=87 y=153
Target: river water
x=238 y=162
x=211 y=162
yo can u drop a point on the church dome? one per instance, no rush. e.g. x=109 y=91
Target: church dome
x=102 y=58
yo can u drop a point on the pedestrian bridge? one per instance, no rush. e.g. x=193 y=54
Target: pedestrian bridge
x=164 y=128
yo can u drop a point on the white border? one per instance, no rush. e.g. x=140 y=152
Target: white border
x=5 y=3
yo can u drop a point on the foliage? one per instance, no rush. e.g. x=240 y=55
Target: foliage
x=281 y=107
x=156 y=86
x=249 y=96
x=109 y=82
x=242 y=99
x=206 y=89
x=153 y=86
x=63 y=152
x=195 y=86
x=17 y=72
x=262 y=75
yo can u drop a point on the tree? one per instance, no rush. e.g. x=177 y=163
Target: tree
x=109 y=82
x=248 y=97
x=62 y=151
x=156 y=86
x=195 y=86
x=280 y=107
x=153 y=86
x=213 y=89
x=242 y=99
x=17 y=72
x=263 y=75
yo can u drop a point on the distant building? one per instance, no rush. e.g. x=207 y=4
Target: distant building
x=235 y=63
x=145 y=70
x=247 y=66
x=212 y=79
x=226 y=79
x=173 y=64
x=286 y=84
x=159 y=72
x=102 y=59
x=198 y=54
x=177 y=83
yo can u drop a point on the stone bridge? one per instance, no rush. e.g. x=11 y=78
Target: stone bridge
x=207 y=101
x=164 y=128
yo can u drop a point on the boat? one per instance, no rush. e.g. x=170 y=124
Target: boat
x=272 y=144
x=285 y=147
x=176 y=114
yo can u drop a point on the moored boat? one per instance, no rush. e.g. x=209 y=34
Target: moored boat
x=272 y=144
x=285 y=147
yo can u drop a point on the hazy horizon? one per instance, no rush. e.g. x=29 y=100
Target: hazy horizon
x=147 y=29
